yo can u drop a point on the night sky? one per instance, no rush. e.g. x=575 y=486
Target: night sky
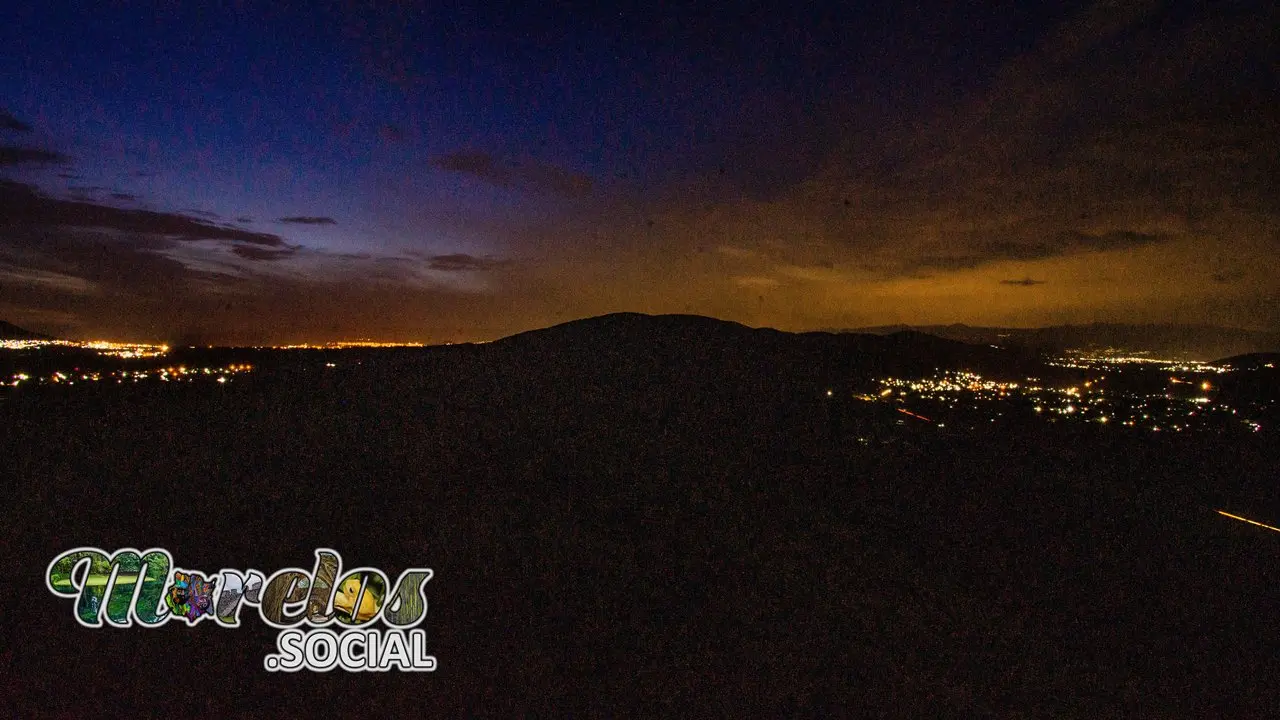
x=240 y=173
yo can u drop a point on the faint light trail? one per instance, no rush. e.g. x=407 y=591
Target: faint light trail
x=1251 y=522
x=919 y=417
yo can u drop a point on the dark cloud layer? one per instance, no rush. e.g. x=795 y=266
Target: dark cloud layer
x=1024 y=282
x=461 y=262
x=308 y=220
x=254 y=252
x=1020 y=245
x=16 y=155
x=22 y=206
x=528 y=175
x=9 y=122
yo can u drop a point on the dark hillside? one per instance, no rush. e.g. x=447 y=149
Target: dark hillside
x=657 y=516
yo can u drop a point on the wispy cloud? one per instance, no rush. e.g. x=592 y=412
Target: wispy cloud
x=22 y=206
x=254 y=252
x=756 y=282
x=511 y=174
x=308 y=220
x=9 y=122
x=17 y=155
x=461 y=262
x=49 y=280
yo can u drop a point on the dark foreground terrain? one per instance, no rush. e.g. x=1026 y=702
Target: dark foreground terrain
x=655 y=516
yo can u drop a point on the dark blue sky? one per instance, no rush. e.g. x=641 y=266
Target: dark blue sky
x=477 y=170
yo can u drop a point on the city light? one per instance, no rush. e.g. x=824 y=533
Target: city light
x=345 y=345
x=169 y=374
x=101 y=347
x=948 y=398
x=967 y=396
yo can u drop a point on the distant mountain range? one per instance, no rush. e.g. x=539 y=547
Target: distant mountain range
x=928 y=343
x=1198 y=342
x=9 y=331
x=690 y=346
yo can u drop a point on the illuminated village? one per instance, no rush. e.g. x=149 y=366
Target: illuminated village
x=1123 y=391
x=1189 y=403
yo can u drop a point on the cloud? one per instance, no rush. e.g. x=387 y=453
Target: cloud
x=739 y=253
x=16 y=155
x=308 y=220
x=1114 y=240
x=9 y=122
x=159 y=268
x=530 y=175
x=45 y=279
x=755 y=282
x=1024 y=282
x=22 y=206
x=481 y=165
x=461 y=262
x=974 y=251
x=233 y=292
x=256 y=253
x=1107 y=136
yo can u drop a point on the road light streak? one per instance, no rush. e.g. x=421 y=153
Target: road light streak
x=1251 y=522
